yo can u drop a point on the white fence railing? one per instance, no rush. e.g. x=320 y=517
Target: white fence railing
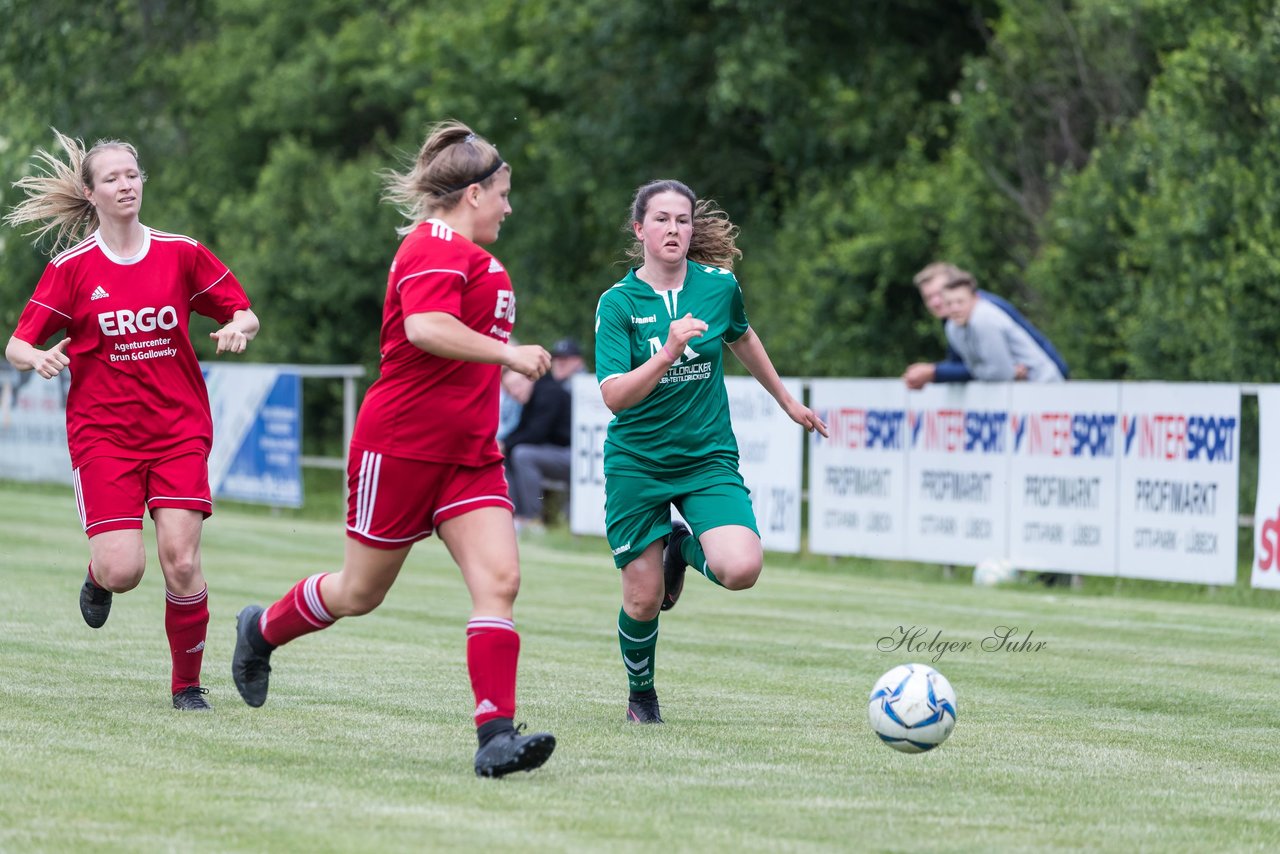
x=257 y=437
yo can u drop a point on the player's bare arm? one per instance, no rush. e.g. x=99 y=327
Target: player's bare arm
x=27 y=357
x=443 y=335
x=750 y=351
x=239 y=331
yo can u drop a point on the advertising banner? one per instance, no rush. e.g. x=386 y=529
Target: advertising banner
x=1266 y=511
x=586 y=487
x=257 y=434
x=1179 y=481
x=1064 y=476
x=858 y=476
x=770 y=447
x=958 y=454
x=770 y=454
x=33 y=426
x=257 y=431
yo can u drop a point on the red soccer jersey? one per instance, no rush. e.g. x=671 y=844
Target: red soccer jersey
x=424 y=407
x=136 y=387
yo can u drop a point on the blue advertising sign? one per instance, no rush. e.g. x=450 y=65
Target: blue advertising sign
x=257 y=434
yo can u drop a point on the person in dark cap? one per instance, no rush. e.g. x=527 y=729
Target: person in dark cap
x=538 y=448
x=567 y=348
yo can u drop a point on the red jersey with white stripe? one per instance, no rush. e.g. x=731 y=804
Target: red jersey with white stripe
x=424 y=407
x=136 y=387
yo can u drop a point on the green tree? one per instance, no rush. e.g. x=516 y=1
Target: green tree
x=1109 y=166
x=91 y=71
x=1171 y=231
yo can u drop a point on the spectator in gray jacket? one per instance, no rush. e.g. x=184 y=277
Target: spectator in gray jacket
x=991 y=345
x=929 y=282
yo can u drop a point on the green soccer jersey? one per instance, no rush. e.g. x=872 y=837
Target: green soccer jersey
x=684 y=421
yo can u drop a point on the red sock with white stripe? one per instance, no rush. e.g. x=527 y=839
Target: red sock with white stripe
x=493 y=647
x=299 y=612
x=186 y=622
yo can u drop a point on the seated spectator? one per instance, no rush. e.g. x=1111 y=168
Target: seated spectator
x=538 y=449
x=992 y=346
x=929 y=282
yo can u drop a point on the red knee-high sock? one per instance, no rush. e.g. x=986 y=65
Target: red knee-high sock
x=186 y=622
x=299 y=612
x=493 y=647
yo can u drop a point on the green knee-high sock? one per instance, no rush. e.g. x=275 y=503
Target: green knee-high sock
x=691 y=551
x=639 y=642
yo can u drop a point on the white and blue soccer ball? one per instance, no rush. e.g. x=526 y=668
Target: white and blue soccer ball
x=912 y=708
x=993 y=571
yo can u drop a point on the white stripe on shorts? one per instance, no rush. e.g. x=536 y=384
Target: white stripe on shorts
x=75 y=482
x=501 y=498
x=367 y=491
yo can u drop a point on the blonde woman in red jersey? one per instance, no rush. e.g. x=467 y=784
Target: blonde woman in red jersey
x=138 y=422
x=424 y=456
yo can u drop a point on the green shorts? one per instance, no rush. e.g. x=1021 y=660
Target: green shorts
x=637 y=509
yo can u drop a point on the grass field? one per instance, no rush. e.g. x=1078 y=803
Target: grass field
x=1142 y=723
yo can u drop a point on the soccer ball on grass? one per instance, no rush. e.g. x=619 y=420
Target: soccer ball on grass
x=993 y=571
x=912 y=708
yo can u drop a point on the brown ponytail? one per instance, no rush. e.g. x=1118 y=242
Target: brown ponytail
x=714 y=240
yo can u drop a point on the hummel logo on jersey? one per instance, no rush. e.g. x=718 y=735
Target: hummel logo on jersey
x=442 y=231
x=653 y=318
x=494 y=266
x=485 y=708
x=99 y=293
x=197 y=648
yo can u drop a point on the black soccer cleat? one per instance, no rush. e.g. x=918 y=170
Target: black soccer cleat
x=95 y=603
x=642 y=708
x=673 y=566
x=191 y=699
x=251 y=661
x=511 y=751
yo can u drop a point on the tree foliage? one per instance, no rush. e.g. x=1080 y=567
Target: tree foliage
x=1112 y=167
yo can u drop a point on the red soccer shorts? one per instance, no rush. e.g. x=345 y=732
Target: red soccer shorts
x=111 y=493
x=393 y=502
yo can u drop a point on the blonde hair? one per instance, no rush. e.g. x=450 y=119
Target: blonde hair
x=452 y=158
x=937 y=268
x=56 y=193
x=714 y=240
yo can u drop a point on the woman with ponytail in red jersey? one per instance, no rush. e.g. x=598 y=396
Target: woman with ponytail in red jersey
x=424 y=456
